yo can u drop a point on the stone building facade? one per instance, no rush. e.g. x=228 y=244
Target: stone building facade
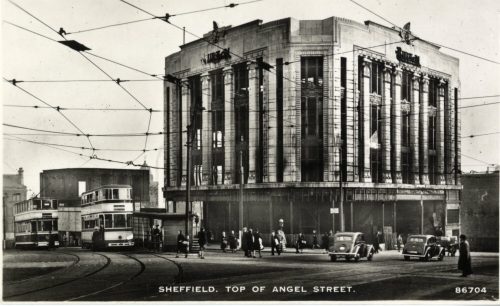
x=301 y=106
x=14 y=191
x=479 y=211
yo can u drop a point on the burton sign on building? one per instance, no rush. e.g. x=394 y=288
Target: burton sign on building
x=300 y=109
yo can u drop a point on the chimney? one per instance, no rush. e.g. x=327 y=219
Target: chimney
x=20 y=174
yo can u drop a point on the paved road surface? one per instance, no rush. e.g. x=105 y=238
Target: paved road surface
x=72 y=274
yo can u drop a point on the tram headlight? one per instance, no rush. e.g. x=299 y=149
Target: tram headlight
x=130 y=237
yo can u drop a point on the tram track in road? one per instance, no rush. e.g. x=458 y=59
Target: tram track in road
x=179 y=278
x=108 y=262
x=75 y=262
x=141 y=270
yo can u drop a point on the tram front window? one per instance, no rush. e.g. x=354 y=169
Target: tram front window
x=108 y=220
x=119 y=220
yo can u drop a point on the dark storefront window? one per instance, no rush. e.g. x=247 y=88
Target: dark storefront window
x=241 y=119
x=217 y=79
x=197 y=124
x=312 y=119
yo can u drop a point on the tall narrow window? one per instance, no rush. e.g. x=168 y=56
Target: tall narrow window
x=197 y=124
x=375 y=142
x=180 y=145
x=279 y=119
x=376 y=78
x=241 y=119
x=432 y=130
x=259 y=173
x=405 y=147
x=406 y=85
x=343 y=116
x=167 y=137
x=312 y=119
x=217 y=79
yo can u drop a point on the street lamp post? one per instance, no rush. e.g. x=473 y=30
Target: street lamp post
x=339 y=143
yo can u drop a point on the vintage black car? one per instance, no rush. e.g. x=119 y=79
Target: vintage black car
x=423 y=247
x=349 y=245
x=449 y=243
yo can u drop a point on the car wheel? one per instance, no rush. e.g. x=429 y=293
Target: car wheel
x=348 y=258
x=333 y=258
x=370 y=257
x=407 y=257
x=356 y=258
x=426 y=257
x=441 y=256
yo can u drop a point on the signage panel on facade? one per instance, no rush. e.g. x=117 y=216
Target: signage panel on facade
x=407 y=57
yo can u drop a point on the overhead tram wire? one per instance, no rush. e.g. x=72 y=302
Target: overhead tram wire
x=94 y=64
x=83 y=148
x=231 y=5
x=473 y=158
x=85 y=135
x=424 y=40
x=54 y=108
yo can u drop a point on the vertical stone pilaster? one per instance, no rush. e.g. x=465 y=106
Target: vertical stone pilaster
x=396 y=126
x=229 y=133
x=289 y=123
x=366 y=120
x=448 y=137
x=452 y=156
x=440 y=134
x=424 y=132
x=272 y=115
x=253 y=121
x=186 y=120
x=386 y=126
x=458 y=139
x=206 y=131
x=414 y=125
x=174 y=135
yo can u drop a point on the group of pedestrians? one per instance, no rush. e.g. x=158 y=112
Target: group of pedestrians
x=251 y=243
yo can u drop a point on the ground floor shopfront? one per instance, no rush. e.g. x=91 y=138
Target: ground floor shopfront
x=305 y=209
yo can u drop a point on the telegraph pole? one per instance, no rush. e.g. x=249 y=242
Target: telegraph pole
x=341 y=202
x=188 y=178
x=242 y=180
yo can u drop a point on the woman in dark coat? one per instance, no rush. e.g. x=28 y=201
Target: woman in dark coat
x=233 y=244
x=202 y=240
x=250 y=242
x=464 y=260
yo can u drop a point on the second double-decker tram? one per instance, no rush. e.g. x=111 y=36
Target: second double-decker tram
x=35 y=223
x=108 y=211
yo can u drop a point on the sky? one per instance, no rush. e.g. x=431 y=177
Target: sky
x=469 y=26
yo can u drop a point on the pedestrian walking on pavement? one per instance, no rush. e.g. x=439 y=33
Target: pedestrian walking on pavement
x=257 y=244
x=324 y=240
x=399 y=242
x=300 y=244
x=156 y=237
x=244 y=242
x=95 y=238
x=202 y=240
x=233 y=244
x=376 y=243
x=315 y=244
x=223 y=242
x=182 y=244
x=464 y=259
x=275 y=244
x=251 y=243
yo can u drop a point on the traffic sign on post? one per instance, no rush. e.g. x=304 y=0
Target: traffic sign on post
x=334 y=210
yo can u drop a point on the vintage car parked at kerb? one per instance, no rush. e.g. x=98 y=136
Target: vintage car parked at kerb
x=349 y=245
x=423 y=247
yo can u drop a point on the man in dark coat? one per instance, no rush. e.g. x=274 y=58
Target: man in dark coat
x=250 y=243
x=301 y=243
x=96 y=235
x=325 y=239
x=464 y=260
x=156 y=235
x=202 y=240
x=181 y=245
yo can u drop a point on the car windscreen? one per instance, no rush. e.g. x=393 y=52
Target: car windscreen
x=343 y=238
x=416 y=239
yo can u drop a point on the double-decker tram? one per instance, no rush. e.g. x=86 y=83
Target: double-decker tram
x=35 y=223
x=107 y=215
